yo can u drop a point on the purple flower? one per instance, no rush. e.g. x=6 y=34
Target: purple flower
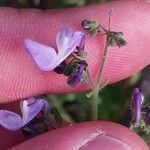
x=78 y=74
x=46 y=57
x=137 y=101
x=29 y=108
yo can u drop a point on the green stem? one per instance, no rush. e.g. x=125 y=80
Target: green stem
x=103 y=62
x=94 y=105
x=89 y=78
x=96 y=88
x=65 y=116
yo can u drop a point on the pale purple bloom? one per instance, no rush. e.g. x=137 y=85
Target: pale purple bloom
x=46 y=57
x=137 y=101
x=29 y=108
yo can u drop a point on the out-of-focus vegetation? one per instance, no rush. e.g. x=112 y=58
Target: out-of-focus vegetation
x=46 y=4
x=115 y=99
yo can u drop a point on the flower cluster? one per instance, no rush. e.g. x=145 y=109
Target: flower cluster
x=68 y=43
x=29 y=108
x=36 y=117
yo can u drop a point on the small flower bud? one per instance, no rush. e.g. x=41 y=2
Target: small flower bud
x=137 y=101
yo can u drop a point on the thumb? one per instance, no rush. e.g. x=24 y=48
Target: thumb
x=20 y=77
x=87 y=136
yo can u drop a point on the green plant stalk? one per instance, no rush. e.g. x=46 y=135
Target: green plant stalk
x=94 y=104
x=65 y=116
x=89 y=78
x=103 y=62
x=97 y=86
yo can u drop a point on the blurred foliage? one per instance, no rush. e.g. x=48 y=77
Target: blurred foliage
x=115 y=99
x=46 y=4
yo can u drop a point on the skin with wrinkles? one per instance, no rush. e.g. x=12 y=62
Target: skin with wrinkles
x=21 y=78
x=71 y=138
x=19 y=75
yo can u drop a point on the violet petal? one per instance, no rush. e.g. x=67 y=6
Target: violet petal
x=44 y=56
x=10 y=120
x=30 y=109
x=68 y=43
x=33 y=110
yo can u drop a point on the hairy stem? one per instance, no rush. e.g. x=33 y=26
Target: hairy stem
x=103 y=62
x=97 y=85
x=94 y=104
x=89 y=78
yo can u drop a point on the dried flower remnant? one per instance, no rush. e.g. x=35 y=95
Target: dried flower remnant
x=116 y=39
x=137 y=101
x=46 y=57
x=29 y=108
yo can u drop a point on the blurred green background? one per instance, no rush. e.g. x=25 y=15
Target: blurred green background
x=115 y=99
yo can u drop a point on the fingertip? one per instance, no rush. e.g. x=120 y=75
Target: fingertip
x=87 y=135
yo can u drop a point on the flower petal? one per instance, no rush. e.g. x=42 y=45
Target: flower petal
x=60 y=37
x=10 y=120
x=24 y=110
x=44 y=56
x=67 y=41
x=35 y=108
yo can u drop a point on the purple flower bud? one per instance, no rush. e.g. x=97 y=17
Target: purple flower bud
x=137 y=101
x=29 y=108
x=77 y=76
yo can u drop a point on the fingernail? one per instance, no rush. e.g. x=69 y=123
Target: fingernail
x=105 y=142
x=143 y=0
